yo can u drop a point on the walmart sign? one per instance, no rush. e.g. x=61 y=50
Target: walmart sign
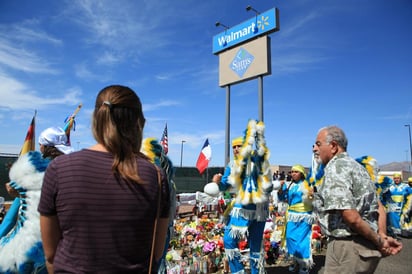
x=263 y=23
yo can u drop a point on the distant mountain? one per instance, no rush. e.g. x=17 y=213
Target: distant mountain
x=396 y=166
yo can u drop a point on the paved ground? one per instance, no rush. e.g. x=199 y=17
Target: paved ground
x=283 y=268
x=399 y=264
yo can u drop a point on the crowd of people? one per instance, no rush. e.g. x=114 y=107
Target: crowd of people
x=110 y=208
x=340 y=195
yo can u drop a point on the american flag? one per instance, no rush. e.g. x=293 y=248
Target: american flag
x=164 y=141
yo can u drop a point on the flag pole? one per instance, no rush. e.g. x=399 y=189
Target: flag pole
x=70 y=121
x=77 y=110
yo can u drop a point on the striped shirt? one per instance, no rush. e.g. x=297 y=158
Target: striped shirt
x=107 y=225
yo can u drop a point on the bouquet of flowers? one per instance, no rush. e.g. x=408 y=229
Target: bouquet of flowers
x=271 y=247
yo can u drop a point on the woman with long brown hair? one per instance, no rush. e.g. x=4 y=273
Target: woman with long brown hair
x=99 y=205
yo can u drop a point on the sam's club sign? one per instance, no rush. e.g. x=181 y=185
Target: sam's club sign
x=263 y=23
x=241 y=62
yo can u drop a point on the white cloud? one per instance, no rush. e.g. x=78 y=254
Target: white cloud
x=15 y=95
x=30 y=31
x=160 y=104
x=21 y=59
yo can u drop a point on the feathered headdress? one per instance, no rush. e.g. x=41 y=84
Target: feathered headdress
x=21 y=249
x=154 y=151
x=251 y=174
x=316 y=172
x=371 y=165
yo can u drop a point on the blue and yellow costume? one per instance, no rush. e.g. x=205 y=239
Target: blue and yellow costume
x=299 y=220
x=21 y=250
x=249 y=174
x=10 y=218
x=397 y=199
x=154 y=151
x=406 y=217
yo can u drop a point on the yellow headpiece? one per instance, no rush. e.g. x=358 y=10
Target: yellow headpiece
x=300 y=169
x=237 y=141
x=397 y=175
x=410 y=180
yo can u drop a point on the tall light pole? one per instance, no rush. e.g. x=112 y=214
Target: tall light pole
x=227 y=128
x=260 y=78
x=410 y=144
x=181 y=153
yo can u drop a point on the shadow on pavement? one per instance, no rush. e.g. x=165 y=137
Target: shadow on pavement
x=318 y=259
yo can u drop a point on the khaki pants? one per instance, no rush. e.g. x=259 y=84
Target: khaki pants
x=351 y=255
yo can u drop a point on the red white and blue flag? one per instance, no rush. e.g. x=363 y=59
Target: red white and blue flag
x=204 y=157
x=164 y=141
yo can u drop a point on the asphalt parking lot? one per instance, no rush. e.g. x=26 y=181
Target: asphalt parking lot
x=398 y=264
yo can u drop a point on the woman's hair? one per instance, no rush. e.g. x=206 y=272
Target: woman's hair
x=55 y=142
x=51 y=152
x=118 y=123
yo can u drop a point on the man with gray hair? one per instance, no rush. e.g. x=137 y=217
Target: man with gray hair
x=348 y=209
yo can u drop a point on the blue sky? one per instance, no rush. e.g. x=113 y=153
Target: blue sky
x=347 y=63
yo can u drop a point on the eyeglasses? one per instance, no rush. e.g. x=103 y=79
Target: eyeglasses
x=237 y=146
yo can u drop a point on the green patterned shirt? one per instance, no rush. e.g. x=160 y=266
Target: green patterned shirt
x=346 y=185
